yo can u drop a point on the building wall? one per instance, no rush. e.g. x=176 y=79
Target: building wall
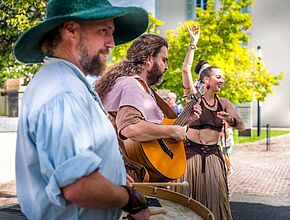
x=171 y=12
x=149 y=5
x=271 y=31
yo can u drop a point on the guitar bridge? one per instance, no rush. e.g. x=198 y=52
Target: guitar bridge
x=165 y=148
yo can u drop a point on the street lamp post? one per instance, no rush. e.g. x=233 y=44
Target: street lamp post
x=259 y=119
x=258 y=102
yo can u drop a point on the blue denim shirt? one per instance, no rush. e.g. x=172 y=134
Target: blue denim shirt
x=63 y=135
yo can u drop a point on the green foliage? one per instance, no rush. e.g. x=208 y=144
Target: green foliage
x=16 y=17
x=119 y=52
x=223 y=34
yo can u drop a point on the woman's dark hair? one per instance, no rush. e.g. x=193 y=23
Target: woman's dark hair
x=207 y=71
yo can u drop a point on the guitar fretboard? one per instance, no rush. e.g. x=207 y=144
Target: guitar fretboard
x=185 y=114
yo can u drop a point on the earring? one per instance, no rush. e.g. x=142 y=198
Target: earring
x=207 y=86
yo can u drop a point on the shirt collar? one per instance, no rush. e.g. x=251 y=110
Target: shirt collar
x=79 y=74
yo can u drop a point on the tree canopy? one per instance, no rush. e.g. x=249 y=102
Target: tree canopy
x=223 y=43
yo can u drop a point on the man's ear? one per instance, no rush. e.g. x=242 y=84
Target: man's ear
x=149 y=62
x=71 y=29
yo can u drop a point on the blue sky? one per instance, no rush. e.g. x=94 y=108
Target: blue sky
x=149 y=5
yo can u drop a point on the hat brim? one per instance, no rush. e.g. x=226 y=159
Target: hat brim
x=130 y=22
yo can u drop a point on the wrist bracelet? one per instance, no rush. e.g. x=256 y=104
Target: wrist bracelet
x=233 y=123
x=136 y=201
x=193 y=46
x=187 y=64
x=186 y=88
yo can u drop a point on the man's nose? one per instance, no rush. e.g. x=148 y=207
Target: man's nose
x=165 y=68
x=110 y=42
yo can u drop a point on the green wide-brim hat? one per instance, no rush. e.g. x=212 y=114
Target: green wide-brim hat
x=130 y=22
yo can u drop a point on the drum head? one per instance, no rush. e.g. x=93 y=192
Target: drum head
x=175 y=205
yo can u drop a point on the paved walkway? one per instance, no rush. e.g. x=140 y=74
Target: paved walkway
x=259 y=186
x=7 y=156
x=261 y=172
x=7 y=168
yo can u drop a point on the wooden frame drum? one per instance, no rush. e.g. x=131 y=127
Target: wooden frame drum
x=175 y=205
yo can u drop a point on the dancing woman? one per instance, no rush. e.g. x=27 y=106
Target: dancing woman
x=205 y=170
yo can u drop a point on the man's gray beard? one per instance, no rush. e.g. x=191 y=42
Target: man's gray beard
x=91 y=65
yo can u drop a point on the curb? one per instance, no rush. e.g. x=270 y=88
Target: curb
x=8 y=124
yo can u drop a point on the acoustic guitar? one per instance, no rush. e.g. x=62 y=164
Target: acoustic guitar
x=164 y=159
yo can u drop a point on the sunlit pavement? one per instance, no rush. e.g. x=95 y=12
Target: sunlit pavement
x=7 y=156
x=260 y=183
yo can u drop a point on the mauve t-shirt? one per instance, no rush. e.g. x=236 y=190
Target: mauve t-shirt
x=128 y=91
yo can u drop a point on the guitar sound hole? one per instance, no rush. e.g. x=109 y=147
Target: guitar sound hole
x=165 y=148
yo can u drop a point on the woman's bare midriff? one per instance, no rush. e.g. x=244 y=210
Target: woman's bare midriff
x=204 y=136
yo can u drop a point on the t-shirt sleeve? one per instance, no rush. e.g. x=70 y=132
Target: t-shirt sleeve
x=127 y=116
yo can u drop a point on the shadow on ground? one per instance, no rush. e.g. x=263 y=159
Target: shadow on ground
x=240 y=211
x=257 y=211
x=7 y=195
x=11 y=212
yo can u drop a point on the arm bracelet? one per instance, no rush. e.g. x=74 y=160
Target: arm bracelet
x=233 y=123
x=136 y=202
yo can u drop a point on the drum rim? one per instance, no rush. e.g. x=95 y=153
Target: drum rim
x=183 y=200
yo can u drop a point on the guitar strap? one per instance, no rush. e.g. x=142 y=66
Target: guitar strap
x=165 y=108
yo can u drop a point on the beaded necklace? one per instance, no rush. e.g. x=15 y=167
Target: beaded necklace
x=208 y=105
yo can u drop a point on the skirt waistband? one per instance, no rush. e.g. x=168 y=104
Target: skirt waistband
x=201 y=148
x=192 y=148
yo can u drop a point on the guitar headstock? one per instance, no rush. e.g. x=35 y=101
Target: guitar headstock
x=199 y=86
x=198 y=91
x=192 y=99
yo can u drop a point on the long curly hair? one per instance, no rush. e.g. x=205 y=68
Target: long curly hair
x=134 y=63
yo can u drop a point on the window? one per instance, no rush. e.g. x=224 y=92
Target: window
x=191 y=5
x=201 y=3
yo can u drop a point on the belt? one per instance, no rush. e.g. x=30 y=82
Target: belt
x=192 y=148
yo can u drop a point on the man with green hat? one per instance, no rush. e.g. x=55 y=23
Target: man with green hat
x=68 y=165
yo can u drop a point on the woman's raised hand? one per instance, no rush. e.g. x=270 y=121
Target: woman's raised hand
x=194 y=32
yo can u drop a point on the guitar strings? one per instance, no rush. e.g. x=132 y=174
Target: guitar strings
x=181 y=120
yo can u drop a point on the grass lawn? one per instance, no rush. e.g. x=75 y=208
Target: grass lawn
x=243 y=140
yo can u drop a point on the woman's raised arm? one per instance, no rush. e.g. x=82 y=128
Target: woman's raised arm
x=187 y=81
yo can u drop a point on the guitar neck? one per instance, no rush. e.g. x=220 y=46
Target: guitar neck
x=185 y=114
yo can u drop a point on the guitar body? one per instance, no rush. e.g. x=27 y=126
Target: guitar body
x=161 y=165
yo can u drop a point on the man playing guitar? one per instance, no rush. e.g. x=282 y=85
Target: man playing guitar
x=127 y=97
